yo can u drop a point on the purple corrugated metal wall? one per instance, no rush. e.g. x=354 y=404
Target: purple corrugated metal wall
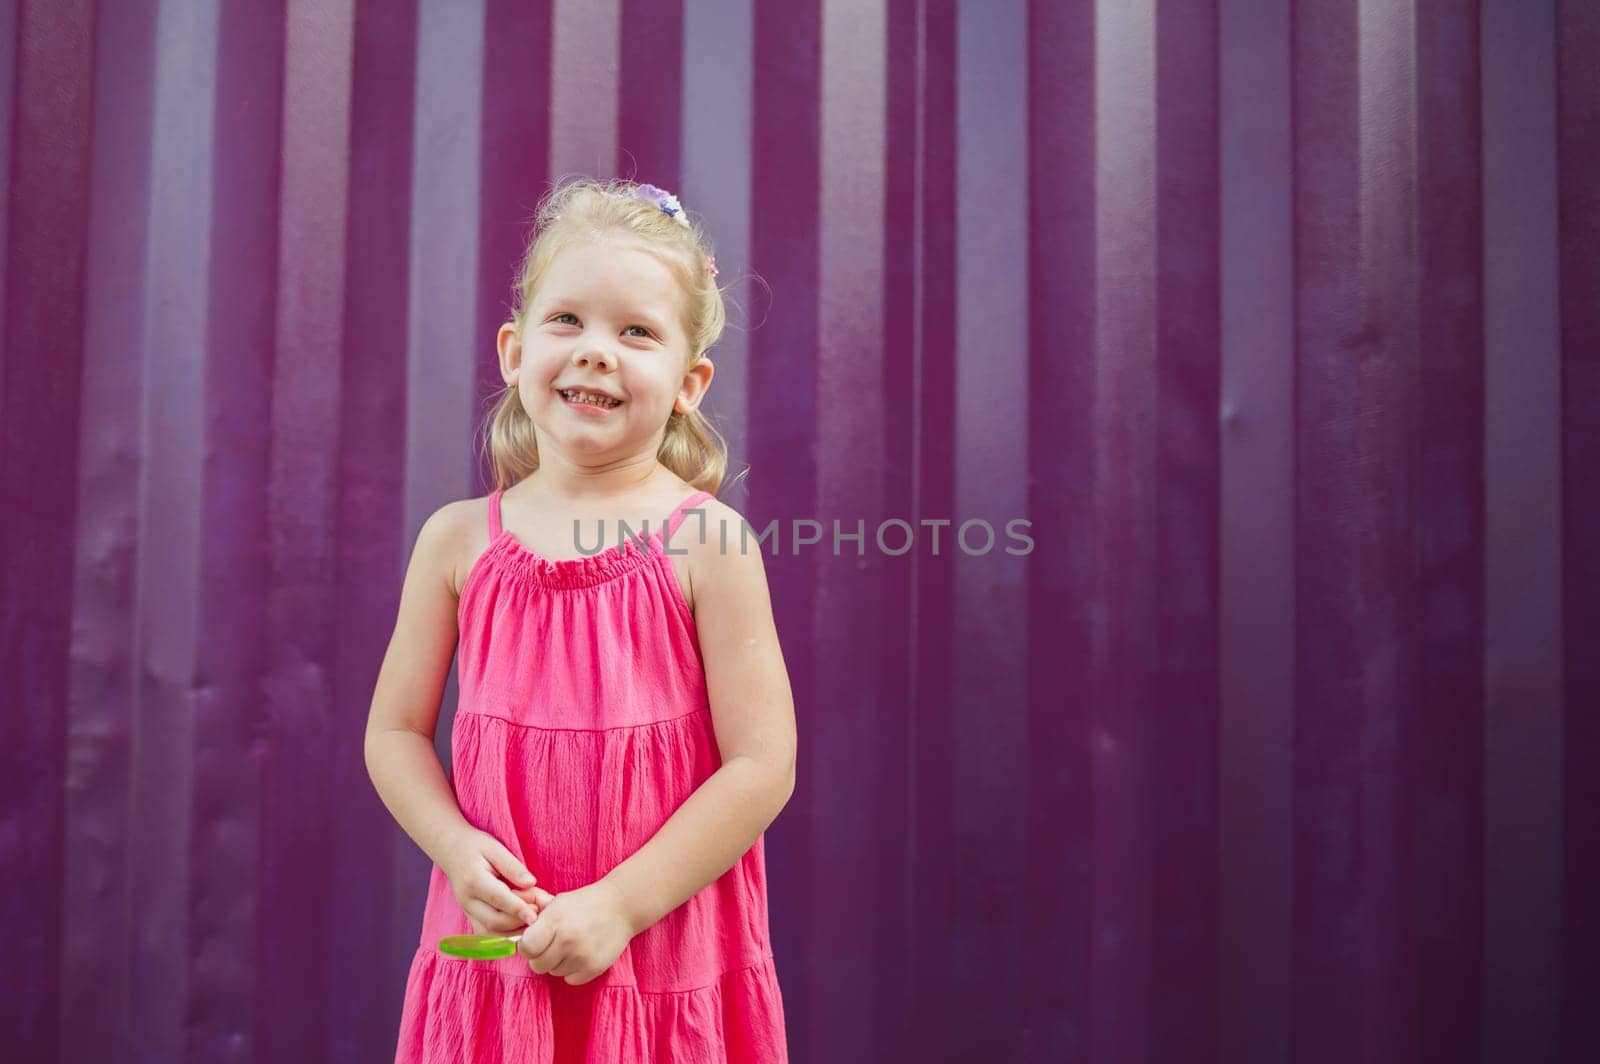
x=1280 y=323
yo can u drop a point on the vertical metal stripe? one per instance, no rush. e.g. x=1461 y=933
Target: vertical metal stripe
x=650 y=87
x=445 y=197
x=1183 y=679
x=1444 y=851
x=160 y=810
x=716 y=168
x=583 y=88
x=785 y=148
x=990 y=456
x=96 y=960
x=42 y=323
x=1381 y=467
x=1331 y=589
x=231 y=608
x=1125 y=478
x=1256 y=606
x=1061 y=607
x=9 y=26
x=934 y=866
x=303 y=494
x=1578 y=160
x=897 y=888
x=848 y=445
x=1522 y=538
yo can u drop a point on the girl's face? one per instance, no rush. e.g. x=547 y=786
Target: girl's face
x=607 y=322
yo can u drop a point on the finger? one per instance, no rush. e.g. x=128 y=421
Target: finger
x=538 y=911
x=498 y=918
x=534 y=946
x=475 y=911
x=506 y=864
x=549 y=961
x=540 y=897
x=486 y=919
x=506 y=900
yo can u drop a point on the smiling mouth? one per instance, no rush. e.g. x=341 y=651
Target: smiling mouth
x=590 y=399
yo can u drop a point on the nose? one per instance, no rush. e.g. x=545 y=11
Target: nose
x=594 y=356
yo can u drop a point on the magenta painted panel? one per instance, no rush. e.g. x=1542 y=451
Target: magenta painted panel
x=1278 y=323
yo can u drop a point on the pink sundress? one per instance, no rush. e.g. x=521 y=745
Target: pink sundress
x=582 y=725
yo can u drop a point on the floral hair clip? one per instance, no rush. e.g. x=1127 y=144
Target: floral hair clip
x=660 y=197
x=711 y=264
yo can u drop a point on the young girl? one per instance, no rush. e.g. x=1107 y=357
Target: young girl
x=625 y=731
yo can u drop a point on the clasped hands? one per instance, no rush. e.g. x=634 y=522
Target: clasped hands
x=576 y=935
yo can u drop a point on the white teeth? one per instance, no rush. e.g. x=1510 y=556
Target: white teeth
x=593 y=400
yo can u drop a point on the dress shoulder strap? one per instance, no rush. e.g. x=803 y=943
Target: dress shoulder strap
x=680 y=511
x=494 y=516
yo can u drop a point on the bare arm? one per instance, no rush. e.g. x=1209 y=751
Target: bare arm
x=405 y=702
x=752 y=709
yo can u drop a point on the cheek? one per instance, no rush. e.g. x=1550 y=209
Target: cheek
x=539 y=378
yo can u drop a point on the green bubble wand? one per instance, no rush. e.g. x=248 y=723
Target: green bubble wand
x=480 y=947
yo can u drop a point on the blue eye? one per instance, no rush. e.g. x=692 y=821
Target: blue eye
x=568 y=314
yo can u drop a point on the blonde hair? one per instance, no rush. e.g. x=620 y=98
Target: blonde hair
x=580 y=209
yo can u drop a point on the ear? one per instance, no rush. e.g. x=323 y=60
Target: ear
x=509 y=342
x=693 y=388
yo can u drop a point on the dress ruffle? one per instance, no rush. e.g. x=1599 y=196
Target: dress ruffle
x=519 y=563
x=458 y=1010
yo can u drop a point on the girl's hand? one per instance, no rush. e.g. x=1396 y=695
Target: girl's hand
x=481 y=873
x=538 y=897
x=579 y=934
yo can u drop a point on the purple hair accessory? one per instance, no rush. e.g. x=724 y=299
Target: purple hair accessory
x=661 y=198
